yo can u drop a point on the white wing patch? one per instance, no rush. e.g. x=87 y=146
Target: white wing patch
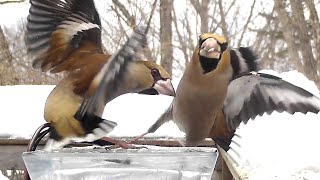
x=73 y=26
x=242 y=62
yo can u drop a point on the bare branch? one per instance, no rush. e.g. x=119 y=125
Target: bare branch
x=2 y=2
x=247 y=23
x=181 y=41
x=130 y=20
x=202 y=10
x=224 y=26
x=166 y=7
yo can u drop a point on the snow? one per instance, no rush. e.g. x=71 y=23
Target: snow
x=22 y=109
x=2 y=177
x=135 y=113
x=276 y=146
x=23 y=106
x=15 y=11
x=280 y=145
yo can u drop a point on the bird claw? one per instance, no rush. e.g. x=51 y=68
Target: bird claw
x=121 y=144
x=125 y=146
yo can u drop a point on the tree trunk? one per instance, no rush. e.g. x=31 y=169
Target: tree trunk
x=315 y=25
x=166 y=35
x=224 y=26
x=288 y=32
x=295 y=32
x=202 y=10
x=7 y=73
x=131 y=21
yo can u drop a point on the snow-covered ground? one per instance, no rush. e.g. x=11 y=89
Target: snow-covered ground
x=22 y=112
x=2 y=177
x=281 y=146
x=277 y=146
x=22 y=109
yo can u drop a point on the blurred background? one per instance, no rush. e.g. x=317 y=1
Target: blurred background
x=284 y=33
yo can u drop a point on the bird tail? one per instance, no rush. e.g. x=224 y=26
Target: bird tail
x=95 y=128
x=224 y=143
x=243 y=60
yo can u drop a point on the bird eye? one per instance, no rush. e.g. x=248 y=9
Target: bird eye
x=155 y=72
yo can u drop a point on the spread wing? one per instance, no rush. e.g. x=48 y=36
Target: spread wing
x=255 y=94
x=106 y=83
x=65 y=35
x=59 y=31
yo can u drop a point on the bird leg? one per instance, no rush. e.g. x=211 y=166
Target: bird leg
x=120 y=144
x=137 y=138
x=161 y=120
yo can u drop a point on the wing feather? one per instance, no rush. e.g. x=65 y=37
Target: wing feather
x=106 y=83
x=264 y=93
x=57 y=29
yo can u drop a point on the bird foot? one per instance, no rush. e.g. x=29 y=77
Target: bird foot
x=121 y=144
x=126 y=146
x=137 y=138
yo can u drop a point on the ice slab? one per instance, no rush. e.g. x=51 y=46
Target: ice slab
x=154 y=163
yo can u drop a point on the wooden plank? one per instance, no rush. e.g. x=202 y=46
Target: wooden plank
x=24 y=142
x=233 y=168
x=11 y=156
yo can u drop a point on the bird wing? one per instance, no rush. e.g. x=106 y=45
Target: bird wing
x=105 y=85
x=65 y=35
x=60 y=32
x=256 y=93
x=164 y=117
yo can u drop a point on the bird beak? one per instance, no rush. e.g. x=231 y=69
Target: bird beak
x=164 y=87
x=210 y=48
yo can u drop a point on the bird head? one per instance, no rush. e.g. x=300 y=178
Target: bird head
x=211 y=47
x=150 y=78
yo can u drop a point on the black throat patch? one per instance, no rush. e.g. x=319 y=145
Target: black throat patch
x=208 y=64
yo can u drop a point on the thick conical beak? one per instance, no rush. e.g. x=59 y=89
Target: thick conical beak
x=210 y=48
x=164 y=87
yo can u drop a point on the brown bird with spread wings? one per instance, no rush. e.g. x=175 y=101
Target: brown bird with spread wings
x=65 y=36
x=218 y=91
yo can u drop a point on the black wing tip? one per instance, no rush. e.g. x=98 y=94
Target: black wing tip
x=54 y=134
x=269 y=76
x=224 y=143
x=250 y=57
x=89 y=122
x=243 y=60
x=261 y=102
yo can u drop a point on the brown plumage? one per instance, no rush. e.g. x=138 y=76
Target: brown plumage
x=218 y=91
x=65 y=36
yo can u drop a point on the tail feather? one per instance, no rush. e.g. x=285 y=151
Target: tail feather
x=243 y=60
x=223 y=142
x=95 y=128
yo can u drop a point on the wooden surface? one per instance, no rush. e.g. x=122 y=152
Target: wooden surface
x=12 y=149
x=231 y=167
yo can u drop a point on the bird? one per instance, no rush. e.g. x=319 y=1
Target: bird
x=64 y=36
x=222 y=87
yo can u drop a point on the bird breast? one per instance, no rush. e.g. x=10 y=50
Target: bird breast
x=196 y=105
